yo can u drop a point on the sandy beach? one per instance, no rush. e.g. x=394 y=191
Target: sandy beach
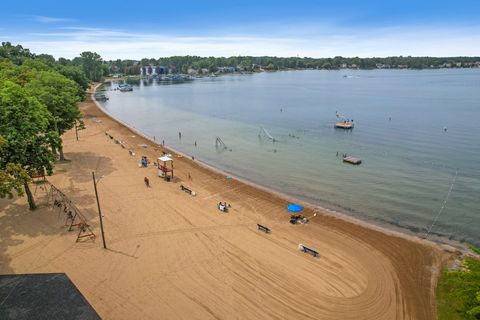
x=175 y=256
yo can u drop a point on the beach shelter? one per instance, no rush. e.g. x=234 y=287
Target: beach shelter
x=165 y=167
x=293 y=207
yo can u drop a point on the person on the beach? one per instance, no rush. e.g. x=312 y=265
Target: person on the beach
x=179 y=135
x=147 y=182
x=189 y=176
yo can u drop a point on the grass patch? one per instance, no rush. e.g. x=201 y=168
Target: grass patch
x=475 y=249
x=458 y=292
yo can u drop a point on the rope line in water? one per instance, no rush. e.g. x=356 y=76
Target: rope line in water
x=444 y=204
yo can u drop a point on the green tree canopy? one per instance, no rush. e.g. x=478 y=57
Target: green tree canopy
x=16 y=54
x=12 y=176
x=24 y=126
x=59 y=95
x=91 y=63
x=76 y=74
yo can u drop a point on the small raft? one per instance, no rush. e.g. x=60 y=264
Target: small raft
x=352 y=160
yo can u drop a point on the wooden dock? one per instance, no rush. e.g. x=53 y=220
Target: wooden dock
x=344 y=125
x=352 y=160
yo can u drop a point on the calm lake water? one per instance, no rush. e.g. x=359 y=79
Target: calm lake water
x=409 y=160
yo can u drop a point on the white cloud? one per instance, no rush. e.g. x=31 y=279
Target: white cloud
x=312 y=41
x=45 y=19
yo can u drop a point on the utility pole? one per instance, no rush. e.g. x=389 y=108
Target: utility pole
x=99 y=210
x=76 y=130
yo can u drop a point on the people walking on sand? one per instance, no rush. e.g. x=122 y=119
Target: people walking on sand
x=147 y=182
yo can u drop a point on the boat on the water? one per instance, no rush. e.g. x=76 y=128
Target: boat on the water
x=123 y=87
x=100 y=96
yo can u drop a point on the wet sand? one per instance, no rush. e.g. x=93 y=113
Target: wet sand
x=174 y=256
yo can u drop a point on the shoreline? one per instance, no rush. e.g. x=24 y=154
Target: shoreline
x=382 y=226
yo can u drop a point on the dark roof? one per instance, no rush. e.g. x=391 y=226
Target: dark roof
x=42 y=296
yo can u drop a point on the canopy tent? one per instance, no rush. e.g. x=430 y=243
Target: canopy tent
x=165 y=158
x=293 y=207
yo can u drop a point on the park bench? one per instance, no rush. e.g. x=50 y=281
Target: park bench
x=187 y=190
x=263 y=228
x=308 y=250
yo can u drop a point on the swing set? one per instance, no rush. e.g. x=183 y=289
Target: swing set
x=73 y=217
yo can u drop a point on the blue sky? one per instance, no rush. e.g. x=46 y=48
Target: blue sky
x=137 y=29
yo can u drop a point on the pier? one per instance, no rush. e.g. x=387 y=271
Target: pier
x=344 y=125
x=352 y=160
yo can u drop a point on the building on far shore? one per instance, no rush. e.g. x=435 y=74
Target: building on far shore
x=383 y=66
x=225 y=69
x=151 y=70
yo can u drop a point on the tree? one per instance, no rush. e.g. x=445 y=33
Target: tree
x=59 y=95
x=16 y=54
x=24 y=126
x=12 y=177
x=91 y=63
x=46 y=58
x=7 y=70
x=246 y=64
x=76 y=74
x=212 y=68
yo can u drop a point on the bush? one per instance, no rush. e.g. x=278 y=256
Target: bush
x=458 y=293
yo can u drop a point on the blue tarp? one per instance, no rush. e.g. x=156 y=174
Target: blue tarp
x=294 y=207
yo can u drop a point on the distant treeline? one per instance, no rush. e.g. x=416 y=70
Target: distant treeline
x=91 y=66
x=182 y=64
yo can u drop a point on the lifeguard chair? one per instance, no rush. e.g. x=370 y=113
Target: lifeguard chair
x=165 y=167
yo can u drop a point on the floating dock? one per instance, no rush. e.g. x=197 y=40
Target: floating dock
x=352 y=160
x=344 y=125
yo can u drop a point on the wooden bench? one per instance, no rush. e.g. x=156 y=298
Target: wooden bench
x=308 y=250
x=187 y=190
x=263 y=228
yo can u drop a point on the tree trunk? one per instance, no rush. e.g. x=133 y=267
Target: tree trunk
x=60 y=151
x=31 y=200
x=60 y=146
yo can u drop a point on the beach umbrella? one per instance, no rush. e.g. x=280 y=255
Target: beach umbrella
x=293 y=207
